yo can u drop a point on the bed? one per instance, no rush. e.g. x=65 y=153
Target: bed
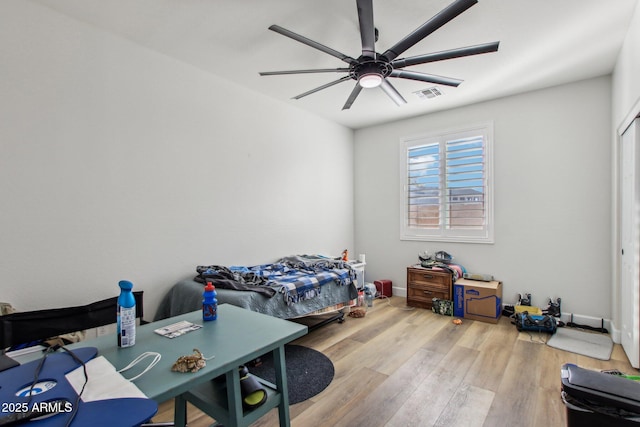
x=290 y=288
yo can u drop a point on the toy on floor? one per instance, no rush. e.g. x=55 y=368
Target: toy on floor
x=358 y=312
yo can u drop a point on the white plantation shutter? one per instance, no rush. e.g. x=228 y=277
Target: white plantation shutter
x=424 y=186
x=465 y=183
x=446 y=186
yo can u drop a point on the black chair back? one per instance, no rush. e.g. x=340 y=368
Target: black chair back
x=29 y=326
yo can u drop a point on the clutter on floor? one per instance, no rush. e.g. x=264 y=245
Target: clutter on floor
x=357 y=312
x=536 y=323
x=527 y=317
x=442 y=306
x=585 y=340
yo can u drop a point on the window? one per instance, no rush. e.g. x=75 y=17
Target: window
x=446 y=186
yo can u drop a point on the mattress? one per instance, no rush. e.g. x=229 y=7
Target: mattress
x=186 y=296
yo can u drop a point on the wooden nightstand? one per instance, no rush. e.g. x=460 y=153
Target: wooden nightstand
x=424 y=284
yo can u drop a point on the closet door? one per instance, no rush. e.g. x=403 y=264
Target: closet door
x=630 y=241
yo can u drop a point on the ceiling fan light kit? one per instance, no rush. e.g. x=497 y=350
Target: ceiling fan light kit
x=368 y=81
x=372 y=69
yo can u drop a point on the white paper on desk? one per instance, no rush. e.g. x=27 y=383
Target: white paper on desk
x=104 y=382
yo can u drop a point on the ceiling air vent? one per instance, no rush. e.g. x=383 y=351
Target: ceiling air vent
x=432 y=92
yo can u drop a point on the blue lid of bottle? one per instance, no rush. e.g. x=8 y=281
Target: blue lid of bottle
x=125 y=284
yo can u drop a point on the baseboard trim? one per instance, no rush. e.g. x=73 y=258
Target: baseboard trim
x=616 y=333
x=581 y=319
x=399 y=292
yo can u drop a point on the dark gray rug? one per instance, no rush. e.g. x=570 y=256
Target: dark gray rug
x=308 y=371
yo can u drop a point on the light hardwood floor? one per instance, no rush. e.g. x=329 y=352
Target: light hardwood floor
x=401 y=367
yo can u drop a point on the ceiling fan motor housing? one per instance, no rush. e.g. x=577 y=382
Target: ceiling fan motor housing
x=366 y=66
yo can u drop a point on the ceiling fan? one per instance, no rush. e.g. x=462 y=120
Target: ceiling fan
x=372 y=69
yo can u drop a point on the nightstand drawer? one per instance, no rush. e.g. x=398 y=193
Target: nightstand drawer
x=426 y=294
x=429 y=277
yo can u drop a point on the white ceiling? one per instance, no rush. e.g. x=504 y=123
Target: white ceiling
x=542 y=43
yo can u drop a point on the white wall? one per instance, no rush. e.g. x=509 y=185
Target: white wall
x=625 y=105
x=552 y=174
x=117 y=162
x=625 y=82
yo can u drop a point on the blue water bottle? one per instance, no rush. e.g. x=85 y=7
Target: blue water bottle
x=209 y=303
x=126 y=318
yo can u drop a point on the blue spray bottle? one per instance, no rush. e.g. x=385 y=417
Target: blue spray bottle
x=126 y=318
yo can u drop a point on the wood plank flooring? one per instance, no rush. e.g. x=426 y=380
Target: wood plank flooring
x=410 y=367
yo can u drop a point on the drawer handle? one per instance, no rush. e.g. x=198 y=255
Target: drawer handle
x=429 y=276
x=428 y=292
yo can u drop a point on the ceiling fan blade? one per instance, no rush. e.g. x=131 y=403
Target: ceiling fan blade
x=324 y=86
x=444 y=16
x=354 y=94
x=392 y=92
x=367 y=29
x=424 y=77
x=318 y=70
x=446 y=54
x=309 y=42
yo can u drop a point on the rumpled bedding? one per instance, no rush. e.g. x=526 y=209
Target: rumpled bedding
x=298 y=277
x=234 y=278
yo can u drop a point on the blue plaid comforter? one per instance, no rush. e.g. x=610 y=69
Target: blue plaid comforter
x=301 y=277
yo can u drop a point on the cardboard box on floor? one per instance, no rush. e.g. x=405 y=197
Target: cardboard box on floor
x=477 y=300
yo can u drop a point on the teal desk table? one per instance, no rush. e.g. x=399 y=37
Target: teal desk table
x=235 y=338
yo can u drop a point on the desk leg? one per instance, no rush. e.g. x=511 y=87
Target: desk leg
x=180 y=411
x=281 y=383
x=234 y=398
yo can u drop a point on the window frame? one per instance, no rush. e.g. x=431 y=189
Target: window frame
x=444 y=234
